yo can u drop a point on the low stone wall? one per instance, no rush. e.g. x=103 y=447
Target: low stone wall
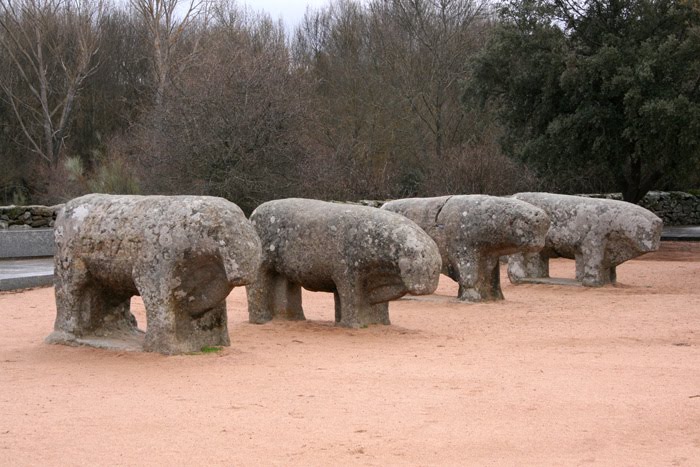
x=27 y=217
x=29 y=243
x=673 y=207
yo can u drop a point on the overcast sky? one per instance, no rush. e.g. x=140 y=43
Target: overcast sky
x=291 y=11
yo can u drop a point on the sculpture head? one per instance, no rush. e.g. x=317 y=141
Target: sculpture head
x=223 y=253
x=639 y=233
x=413 y=264
x=240 y=252
x=528 y=225
x=503 y=225
x=221 y=232
x=648 y=232
x=419 y=263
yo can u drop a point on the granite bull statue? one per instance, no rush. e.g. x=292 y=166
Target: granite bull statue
x=472 y=232
x=181 y=254
x=365 y=256
x=599 y=234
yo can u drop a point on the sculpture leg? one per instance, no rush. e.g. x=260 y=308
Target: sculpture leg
x=70 y=306
x=261 y=294
x=171 y=330
x=179 y=325
x=466 y=271
x=527 y=265
x=206 y=329
x=109 y=315
x=85 y=309
x=161 y=327
x=479 y=278
x=287 y=299
x=353 y=309
x=270 y=296
x=590 y=268
x=338 y=308
x=494 y=289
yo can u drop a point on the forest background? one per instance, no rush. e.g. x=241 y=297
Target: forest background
x=377 y=99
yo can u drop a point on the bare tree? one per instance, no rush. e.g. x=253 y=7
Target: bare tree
x=167 y=22
x=230 y=122
x=170 y=28
x=388 y=77
x=359 y=123
x=51 y=45
x=428 y=44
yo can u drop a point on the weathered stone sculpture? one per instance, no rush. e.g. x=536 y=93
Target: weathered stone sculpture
x=472 y=232
x=365 y=256
x=182 y=254
x=599 y=234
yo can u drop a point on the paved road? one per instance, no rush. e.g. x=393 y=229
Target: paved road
x=688 y=233
x=25 y=273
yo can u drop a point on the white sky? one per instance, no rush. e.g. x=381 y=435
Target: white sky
x=290 y=11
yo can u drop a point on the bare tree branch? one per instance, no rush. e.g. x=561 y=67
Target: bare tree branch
x=40 y=31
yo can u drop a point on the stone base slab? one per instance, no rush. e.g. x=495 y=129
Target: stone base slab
x=126 y=342
x=551 y=281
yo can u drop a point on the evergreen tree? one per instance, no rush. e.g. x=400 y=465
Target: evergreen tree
x=598 y=93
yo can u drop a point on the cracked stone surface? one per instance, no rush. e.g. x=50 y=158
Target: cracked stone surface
x=472 y=232
x=364 y=256
x=599 y=234
x=181 y=254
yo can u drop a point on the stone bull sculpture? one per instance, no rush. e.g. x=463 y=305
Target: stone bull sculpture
x=365 y=256
x=181 y=254
x=599 y=234
x=472 y=232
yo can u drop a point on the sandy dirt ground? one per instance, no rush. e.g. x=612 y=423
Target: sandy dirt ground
x=553 y=375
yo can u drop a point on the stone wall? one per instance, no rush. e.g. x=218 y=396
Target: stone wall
x=29 y=243
x=673 y=207
x=27 y=217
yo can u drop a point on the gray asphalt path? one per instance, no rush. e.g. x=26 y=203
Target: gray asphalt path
x=25 y=273
x=688 y=233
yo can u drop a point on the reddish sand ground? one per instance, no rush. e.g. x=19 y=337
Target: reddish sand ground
x=552 y=375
